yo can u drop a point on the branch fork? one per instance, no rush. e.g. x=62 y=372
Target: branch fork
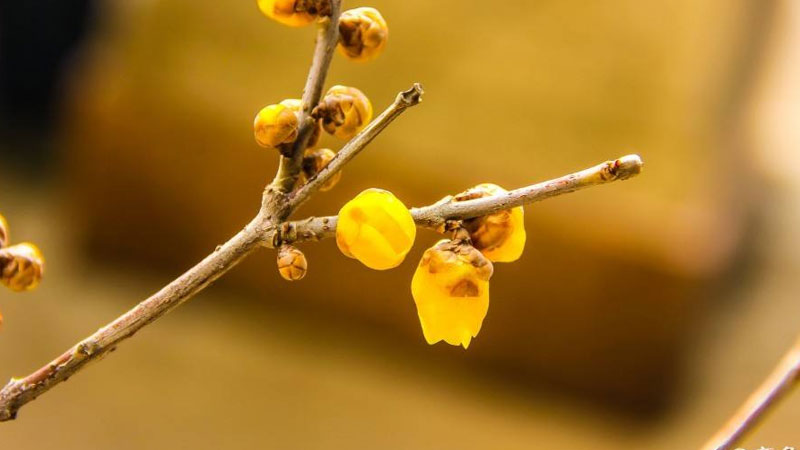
x=271 y=228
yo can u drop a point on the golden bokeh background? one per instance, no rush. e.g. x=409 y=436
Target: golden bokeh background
x=640 y=314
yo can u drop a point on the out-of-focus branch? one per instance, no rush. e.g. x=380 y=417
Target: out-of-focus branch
x=435 y=215
x=778 y=384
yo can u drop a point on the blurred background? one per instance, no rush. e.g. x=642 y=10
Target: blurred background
x=640 y=315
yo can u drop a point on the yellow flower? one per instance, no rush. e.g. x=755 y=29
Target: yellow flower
x=499 y=236
x=294 y=13
x=451 y=290
x=362 y=34
x=344 y=111
x=21 y=266
x=375 y=228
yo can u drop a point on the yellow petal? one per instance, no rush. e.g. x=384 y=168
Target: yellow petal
x=451 y=292
x=282 y=11
x=375 y=228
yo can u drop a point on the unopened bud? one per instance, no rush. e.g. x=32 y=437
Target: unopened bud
x=344 y=111
x=292 y=264
x=21 y=266
x=315 y=160
x=362 y=34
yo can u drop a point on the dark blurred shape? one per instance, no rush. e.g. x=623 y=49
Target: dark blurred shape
x=37 y=38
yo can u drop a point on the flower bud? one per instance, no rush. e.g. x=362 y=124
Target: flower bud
x=3 y=231
x=295 y=13
x=292 y=264
x=276 y=124
x=375 y=228
x=315 y=160
x=344 y=111
x=499 y=236
x=451 y=290
x=362 y=34
x=21 y=267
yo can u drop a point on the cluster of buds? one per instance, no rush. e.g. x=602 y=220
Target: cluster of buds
x=362 y=31
x=342 y=112
x=451 y=284
x=21 y=265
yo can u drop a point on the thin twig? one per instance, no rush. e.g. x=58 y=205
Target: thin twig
x=327 y=38
x=18 y=392
x=434 y=216
x=778 y=384
x=404 y=100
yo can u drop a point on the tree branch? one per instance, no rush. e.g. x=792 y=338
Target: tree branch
x=18 y=392
x=403 y=101
x=274 y=208
x=268 y=227
x=327 y=38
x=434 y=216
x=778 y=384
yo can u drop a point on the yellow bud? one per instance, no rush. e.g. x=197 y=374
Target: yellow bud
x=376 y=228
x=344 y=111
x=499 y=236
x=315 y=160
x=294 y=13
x=21 y=266
x=276 y=124
x=292 y=264
x=362 y=34
x=3 y=231
x=451 y=290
